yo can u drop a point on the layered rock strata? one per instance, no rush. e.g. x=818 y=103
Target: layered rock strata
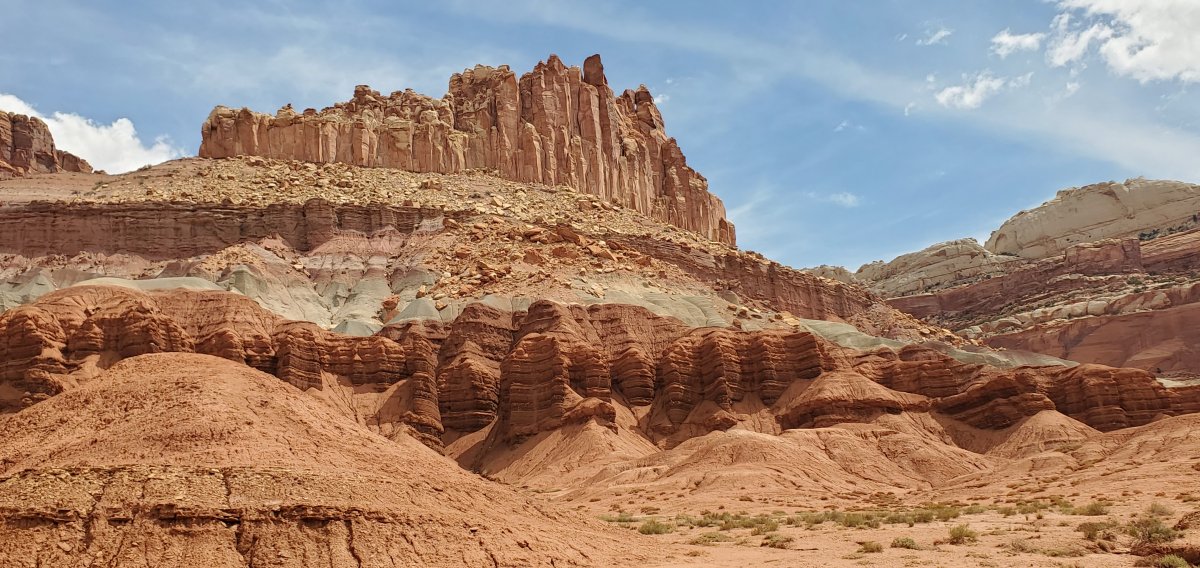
x=537 y=370
x=1104 y=274
x=26 y=147
x=555 y=125
x=171 y=231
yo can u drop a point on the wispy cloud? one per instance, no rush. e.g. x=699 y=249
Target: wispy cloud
x=841 y=198
x=978 y=88
x=935 y=37
x=972 y=93
x=847 y=125
x=1006 y=43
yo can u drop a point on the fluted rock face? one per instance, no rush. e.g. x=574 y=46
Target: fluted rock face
x=522 y=373
x=555 y=125
x=26 y=147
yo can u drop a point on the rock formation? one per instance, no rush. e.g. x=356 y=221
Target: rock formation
x=1096 y=212
x=555 y=125
x=1100 y=274
x=26 y=147
x=526 y=372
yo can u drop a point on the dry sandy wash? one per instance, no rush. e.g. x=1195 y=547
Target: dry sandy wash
x=537 y=345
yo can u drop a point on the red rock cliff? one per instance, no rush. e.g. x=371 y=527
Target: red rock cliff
x=26 y=147
x=554 y=125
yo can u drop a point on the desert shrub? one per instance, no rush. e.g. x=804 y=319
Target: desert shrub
x=947 y=513
x=904 y=542
x=710 y=538
x=622 y=517
x=870 y=547
x=1172 y=561
x=1007 y=511
x=962 y=534
x=765 y=527
x=1094 y=530
x=776 y=540
x=1151 y=531
x=655 y=527
x=975 y=510
x=1093 y=509
x=1020 y=545
x=923 y=516
x=853 y=520
x=1157 y=509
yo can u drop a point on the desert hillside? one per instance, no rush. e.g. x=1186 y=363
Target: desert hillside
x=511 y=327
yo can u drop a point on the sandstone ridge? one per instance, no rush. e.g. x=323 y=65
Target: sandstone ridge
x=26 y=147
x=555 y=125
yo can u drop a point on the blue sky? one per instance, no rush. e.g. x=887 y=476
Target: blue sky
x=836 y=132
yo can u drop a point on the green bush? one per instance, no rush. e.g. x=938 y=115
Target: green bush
x=904 y=542
x=962 y=534
x=1172 y=561
x=654 y=527
x=1151 y=531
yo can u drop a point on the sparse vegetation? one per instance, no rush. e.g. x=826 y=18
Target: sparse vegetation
x=1157 y=509
x=710 y=538
x=904 y=542
x=1097 y=530
x=655 y=527
x=776 y=540
x=1172 y=561
x=962 y=534
x=870 y=547
x=1151 y=531
x=622 y=517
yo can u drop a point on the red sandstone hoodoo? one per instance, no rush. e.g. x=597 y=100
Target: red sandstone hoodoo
x=556 y=125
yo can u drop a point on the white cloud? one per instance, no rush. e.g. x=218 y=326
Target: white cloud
x=1020 y=81
x=1071 y=88
x=114 y=147
x=909 y=108
x=979 y=88
x=936 y=37
x=841 y=198
x=1147 y=40
x=661 y=98
x=1006 y=43
x=1069 y=45
x=971 y=95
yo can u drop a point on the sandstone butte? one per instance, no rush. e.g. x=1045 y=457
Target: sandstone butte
x=300 y=361
x=555 y=125
x=27 y=147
